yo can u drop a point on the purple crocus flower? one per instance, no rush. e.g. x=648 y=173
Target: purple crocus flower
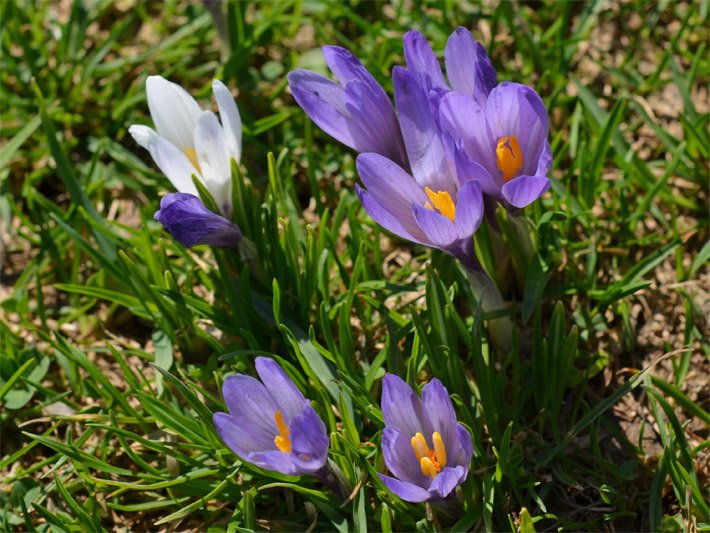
x=435 y=205
x=504 y=141
x=191 y=223
x=356 y=111
x=423 y=445
x=271 y=424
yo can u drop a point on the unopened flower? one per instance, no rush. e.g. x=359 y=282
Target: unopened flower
x=504 y=139
x=191 y=223
x=356 y=110
x=436 y=205
x=424 y=447
x=190 y=141
x=271 y=424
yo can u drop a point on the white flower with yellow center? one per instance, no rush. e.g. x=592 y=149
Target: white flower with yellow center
x=191 y=141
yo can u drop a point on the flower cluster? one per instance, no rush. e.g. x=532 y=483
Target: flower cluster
x=450 y=149
x=272 y=425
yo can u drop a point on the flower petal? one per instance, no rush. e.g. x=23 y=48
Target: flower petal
x=387 y=220
x=324 y=101
x=469 y=209
x=191 y=223
x=464 y=119
x=409 y=492
x=400 y=458
x=229 y=116
x=437 y=408
x=309 y=441
x=274 y=460
x=171 y=161
x=239 y=438
x=173 y=110
x=213 y=157
x=282 y=389
x=401 y=407
x=250 y=403
x=446 y=481
x=421 y=58
x=524 y=190
x=468 y=67
x=440 y=231
x=425 y=150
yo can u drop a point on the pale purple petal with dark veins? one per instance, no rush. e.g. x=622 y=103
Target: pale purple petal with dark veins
x=251 y=404
x=437 y=408
x=446 y=481
x=401 y=407
x=421 y=58
x=425 y=150
x=463 y=118
x=235 y=437
x=280 y=386
x=386 y=219
x=466 y=442
x=524 y=190
x=324 y=101
x=467 y=169
x=346 y=66
x=409 y=492
x=400 y=458
x=440 y=231
x=545 y=161
x=191 y=223
x=309 y=441
x=468 y=67
x=469 y=209
x=514 y=109
x=277 y=461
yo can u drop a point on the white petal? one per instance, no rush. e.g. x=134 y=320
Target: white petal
x=229 y=115
x=173 y=110
x=213 y=156
x=171 y=161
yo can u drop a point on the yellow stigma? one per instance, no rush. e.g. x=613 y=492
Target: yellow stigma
x=430 y=461
x=442 y=202
x=510 y=158
x=192 y=156
x=283 y=439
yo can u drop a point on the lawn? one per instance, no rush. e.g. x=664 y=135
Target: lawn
x=584 y=394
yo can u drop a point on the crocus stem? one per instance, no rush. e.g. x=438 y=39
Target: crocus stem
x=333 y=477
x=500 y=329
x=521 y=234
x=249 y=255
x=448 y=510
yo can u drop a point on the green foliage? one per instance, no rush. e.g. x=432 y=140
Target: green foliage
x=115 y=339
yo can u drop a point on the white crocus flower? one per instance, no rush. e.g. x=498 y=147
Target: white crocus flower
x=192 y=141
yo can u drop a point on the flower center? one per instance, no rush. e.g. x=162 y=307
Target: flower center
x=430 y=461
x=283 y=439
x=442 y=202
x=192 y=156
x=510 y=158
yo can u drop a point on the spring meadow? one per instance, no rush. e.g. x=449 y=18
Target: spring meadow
x=308 y=265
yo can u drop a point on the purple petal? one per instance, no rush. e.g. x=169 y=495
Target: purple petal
x=401 y=407
x=437 y=408
x=421 y=58
x=240 y=438
x=191 y=223
x=275 y=460
x=324 y=101
x=346 y=66
x=387 y=220
x=466 y=443
x=446 y=481
x=409 y=492
x=400 y=458
x=469 y=209
x=282 y=389
x=463 y=118
x=251 y=405
x=515 y=109
x=374 y=125
x=425 y=150
x=309 y=441
x=467 y=169
x=524 y=190
x=468 y=67
x=440 y=231
x=545 y=160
